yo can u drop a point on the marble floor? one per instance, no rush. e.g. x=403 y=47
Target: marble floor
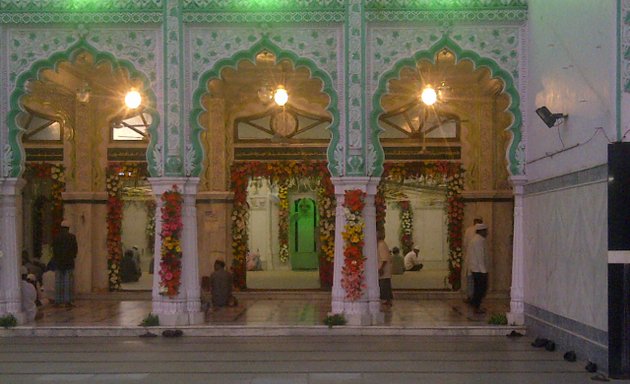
x=328 y=359
x=275 y=308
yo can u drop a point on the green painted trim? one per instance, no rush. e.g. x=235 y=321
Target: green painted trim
x=180 y=34
x=364 y=125
x=15 y=132
x=250 y=54
x=78 y=6
x=444 y=5
x=619 y=76
x=247 y=6
x=460 y=54
x=346 y=68
x=164 y=90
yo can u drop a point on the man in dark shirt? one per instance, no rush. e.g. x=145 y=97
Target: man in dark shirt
x=220 y=285
x=64 y=252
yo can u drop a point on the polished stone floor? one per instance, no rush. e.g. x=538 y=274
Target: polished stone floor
x=269 y=308
x=328 y=359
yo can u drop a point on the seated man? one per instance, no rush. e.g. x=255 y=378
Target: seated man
x=29 y=297
x=398 y=264
x=412 y=260
x=220 y=285
x=129 y=269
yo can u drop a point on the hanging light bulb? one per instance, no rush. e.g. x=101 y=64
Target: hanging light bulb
x=281 y=96
x=428 y=96
x=133 y=99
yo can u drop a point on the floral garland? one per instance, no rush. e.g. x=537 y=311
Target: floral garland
x=406 y=226
x=279 y=173
x=283 y=222
x=55 y=173
x=171 y=261
x=352 y=271
x=451 y=174
x=149 y=231
x=327 y=206
x=114 y=184
x=379 y=203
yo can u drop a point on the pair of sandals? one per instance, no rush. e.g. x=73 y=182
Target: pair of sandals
x=165 y=333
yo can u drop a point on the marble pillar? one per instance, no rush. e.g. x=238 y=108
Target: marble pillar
x=366 y=310
x=517 y=308
x=86 y=213
x=10 y=258
x=214 y=216
x=185 y=308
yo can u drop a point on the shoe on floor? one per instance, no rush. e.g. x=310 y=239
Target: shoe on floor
x=539 y=342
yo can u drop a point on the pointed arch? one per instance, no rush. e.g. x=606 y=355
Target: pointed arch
x=17 y=155
x=264 y=44
x=514 y=166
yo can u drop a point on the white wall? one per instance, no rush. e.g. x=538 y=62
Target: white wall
x=566 y=262
x=572 y=69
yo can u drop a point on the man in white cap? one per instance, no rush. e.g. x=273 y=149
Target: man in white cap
x=467 y=283
x=64 y=252
x=477 y=264
x=412 y=260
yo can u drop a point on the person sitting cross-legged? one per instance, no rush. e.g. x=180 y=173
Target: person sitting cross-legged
x=412 y=260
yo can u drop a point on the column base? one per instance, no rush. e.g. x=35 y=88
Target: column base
x=359 y=314
x=515 y=318
x=175 y=319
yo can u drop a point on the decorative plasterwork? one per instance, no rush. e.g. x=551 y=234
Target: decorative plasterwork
x=86 y=11
x=625 y=42
x=355 y=159
x=316 y=47
x=446 y=4
x=515 y=158
x=262 y=5
x=31 y=50
x=447 y=11
x=75 y=18
x=263 y=11
x=80 y=6
x=389 y=45
x=173 y=91
x=266 y=17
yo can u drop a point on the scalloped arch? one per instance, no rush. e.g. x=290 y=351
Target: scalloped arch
x=15 y=133
x=514 y=166
x=250 y=54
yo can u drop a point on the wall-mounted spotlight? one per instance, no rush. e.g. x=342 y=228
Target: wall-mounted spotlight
x=549 y=118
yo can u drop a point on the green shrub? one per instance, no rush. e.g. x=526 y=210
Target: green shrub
x=498 y=319
x=8 y=321
x=337 y=319
x=150 y=321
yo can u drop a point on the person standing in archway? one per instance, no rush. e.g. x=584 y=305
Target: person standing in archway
x=470 y=232
x=477 y=264
x=384 y=271
x=64 y=253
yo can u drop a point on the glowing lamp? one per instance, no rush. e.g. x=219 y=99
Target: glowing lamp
x=133 y=99
x=281 y=96
x=428 y=96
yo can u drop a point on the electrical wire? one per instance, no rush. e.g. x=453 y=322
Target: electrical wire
x=564 y=149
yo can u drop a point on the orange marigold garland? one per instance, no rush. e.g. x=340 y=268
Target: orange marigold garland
x=353 y=235
x=171 y=260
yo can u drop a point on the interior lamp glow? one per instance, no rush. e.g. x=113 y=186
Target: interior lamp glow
x=281 y=96
x=133 y=99
x=428 y=96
